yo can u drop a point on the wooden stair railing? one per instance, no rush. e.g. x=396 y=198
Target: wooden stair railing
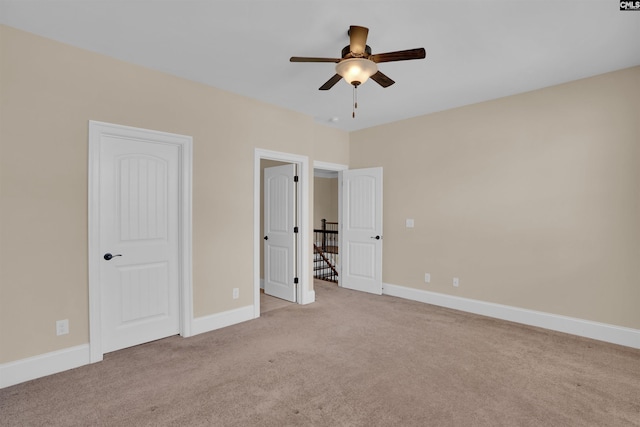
x=325 y=259
x=325 y=247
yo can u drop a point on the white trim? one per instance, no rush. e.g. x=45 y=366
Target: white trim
x=212 y=322
x=186 y=237
x=319 y=173
x=184 y=144
x=309 y=297
x=43 y=364
x=570 y=325
x=326 y=166
x=305 y=294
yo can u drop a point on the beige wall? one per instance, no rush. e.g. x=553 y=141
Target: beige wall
x=325 y=200
x=532 y=201
x=48 y=93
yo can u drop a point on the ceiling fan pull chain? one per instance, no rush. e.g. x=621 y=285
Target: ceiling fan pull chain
x=355 y=89
x=355 y=101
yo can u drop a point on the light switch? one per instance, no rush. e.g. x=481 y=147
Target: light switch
x=409 y=223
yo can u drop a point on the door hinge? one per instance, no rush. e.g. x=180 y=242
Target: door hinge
x=295 y=280
x=295 y=229
x=295 y=178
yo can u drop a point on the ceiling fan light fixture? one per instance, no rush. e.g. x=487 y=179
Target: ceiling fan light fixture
x=356 y=71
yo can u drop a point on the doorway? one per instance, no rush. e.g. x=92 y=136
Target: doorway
x=303 y=292
x=359 y=225
x=139 y=236
x=326 y=256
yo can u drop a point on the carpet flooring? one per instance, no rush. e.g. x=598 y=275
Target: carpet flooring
x=349 y=359
x=269 y=303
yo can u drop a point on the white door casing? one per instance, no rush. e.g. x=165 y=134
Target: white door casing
x=361 y=229
x=280 y=249
x=140 y=212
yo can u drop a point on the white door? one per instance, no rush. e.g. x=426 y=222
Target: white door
x=361 y=233
x=279 y=234
x=139 y=200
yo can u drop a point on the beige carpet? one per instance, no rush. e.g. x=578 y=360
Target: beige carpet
x=269 y=303
x=350 y=359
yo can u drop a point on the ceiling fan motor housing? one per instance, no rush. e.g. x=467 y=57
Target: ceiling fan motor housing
x=346 y=52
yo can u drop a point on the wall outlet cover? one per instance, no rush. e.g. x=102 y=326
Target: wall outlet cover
x=62 y=327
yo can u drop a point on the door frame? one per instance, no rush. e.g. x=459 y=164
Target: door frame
x=304 y=295
x=335 y=167
x=185 y=149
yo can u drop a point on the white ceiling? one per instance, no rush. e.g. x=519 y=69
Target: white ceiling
x=476 y=50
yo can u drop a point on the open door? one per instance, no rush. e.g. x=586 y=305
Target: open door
x=280 y=232
x=361 y=234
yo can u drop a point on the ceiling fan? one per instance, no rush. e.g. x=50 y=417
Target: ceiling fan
x=358 y=64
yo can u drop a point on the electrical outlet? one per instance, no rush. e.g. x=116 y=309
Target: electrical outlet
x=236 y=293
x=427 y=278
x=62 y=327
x=456 y=282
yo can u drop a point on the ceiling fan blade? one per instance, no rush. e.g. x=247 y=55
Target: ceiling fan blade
x=332 y=81
x=401 y=55
x=305 y=59
x=358 y=39
x=382 y=79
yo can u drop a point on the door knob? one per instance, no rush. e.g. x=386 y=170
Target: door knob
x=266 y=237
x=375 y=237
x=108 y=256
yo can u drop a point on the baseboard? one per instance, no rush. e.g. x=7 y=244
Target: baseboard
x=583 y=328
x=309 y=297
x=42 y=365
x=204 y=324
x=62 y=360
